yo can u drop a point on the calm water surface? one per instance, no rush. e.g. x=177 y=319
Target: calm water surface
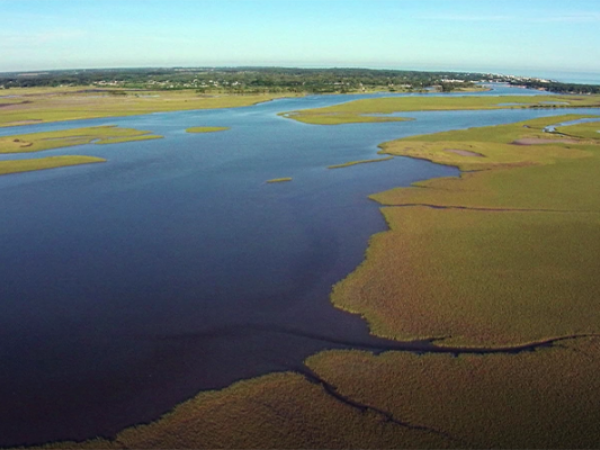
x=131 y=285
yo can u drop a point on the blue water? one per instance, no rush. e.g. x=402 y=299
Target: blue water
x=131 y=285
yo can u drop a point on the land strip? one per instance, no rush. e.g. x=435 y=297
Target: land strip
x=36 y=142
x=358 y=111
x=46 y=105
x=206 y=129
x=364 y=161
x=51 y=162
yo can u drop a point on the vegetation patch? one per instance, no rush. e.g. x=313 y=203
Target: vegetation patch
x=499 y=256
x=328 y=118
x=543 y=399
x=358 y=110
x=36 y=142
x=353 y=163
x=589 y=130
x=53 y=104
x=206 y=129
x=279 y=180
x=51 y=162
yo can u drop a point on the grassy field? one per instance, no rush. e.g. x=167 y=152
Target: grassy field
x=364 y=161
x=59 y=104
x=543 y=399
x=590 y=130
x=206 y=129
x=499 y=256
x=357 y=111
x=51 y=162
x=36 y=142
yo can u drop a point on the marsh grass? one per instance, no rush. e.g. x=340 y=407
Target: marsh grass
x=206 y=129
x=51 y=162
x=328 y=118
x=517 y=269
x=543 y=399
x=59 y=104
x=353 y=163
x=589 y=130
x=36 y=142
x=357 y=111
x=279 y=180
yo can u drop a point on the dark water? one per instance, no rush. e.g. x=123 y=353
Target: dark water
x=129 y=286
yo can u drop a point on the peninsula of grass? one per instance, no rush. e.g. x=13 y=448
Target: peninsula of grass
x=339 y=118
x=206 y=129
x=279 y=180
x=588 y=130
x=51 y=162
x=499 y=256
x=359 y=110
x=36 y=142
x=364 y=161
x=43 y=105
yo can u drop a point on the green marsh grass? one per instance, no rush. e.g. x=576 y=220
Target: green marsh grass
x=515 y=266
x=59 y=104
x=36 y=142
x=543 y=399
x=353 y=163
x=51 y=162
x=206 y=129
x=357 y=111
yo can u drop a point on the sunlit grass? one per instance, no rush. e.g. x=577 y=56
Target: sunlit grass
x=358 y=110
x=589 y=130
x=353 y=163
x=206 y=129
x=519 y=268
x=51 y=162
x=36 y=142
x=59 y=104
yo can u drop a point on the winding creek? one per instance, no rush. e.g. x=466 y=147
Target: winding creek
x=131 y=285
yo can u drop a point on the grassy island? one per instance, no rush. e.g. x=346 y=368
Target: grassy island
x=43 y=105
x=36 y=142
x=206 y=129
x=358 y=111
x=279 y=180
x=51 y=162
x=364 y=161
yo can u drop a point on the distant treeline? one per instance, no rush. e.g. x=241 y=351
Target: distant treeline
x=250 y=79
x=561 y=88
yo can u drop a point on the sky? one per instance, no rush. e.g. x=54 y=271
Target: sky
x=504 y=36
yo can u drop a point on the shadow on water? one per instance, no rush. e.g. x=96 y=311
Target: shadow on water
x=130 y=286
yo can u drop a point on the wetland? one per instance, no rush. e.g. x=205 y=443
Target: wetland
x=164 y=272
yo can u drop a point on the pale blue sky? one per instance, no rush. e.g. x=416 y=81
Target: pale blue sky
x=525 y=36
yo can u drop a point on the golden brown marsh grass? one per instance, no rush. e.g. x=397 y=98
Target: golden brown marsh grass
x=59 y=104
x=51 y=162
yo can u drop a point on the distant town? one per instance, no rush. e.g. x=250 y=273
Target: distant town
x=253 y=80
